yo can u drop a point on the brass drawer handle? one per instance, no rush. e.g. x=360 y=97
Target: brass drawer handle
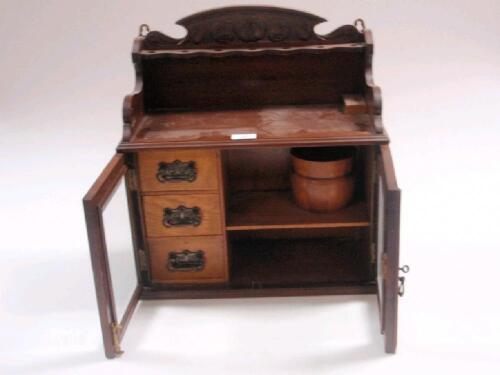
x=177 y=171
x=186 y=261
x=182 y=216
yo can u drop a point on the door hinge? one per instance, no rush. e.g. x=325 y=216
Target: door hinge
x=116 y=329
x=130 y=161
x=132 y=180
x=143 y=261
x=373 y=253
x=143 y=264
x=385 y=266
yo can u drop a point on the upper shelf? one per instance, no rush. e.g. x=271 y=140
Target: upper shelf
x=213 y=52
x=281 y=125
x=268 y=64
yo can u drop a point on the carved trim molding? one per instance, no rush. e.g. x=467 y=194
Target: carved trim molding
x=237 y=26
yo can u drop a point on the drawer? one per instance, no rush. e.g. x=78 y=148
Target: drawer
x=187 y=259
x=182 y=215
x=179 y=170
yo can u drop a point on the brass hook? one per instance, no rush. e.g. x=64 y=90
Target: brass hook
x=144 y=30
x=360 y=25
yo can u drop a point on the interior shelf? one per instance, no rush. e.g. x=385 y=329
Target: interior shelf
x=260 y=210
x=318 y=261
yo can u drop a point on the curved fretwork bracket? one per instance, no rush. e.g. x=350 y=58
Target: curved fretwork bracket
x=373 y=94
x=133 y=106
x=240 y=26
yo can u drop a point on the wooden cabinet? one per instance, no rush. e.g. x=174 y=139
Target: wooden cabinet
x=206 y=156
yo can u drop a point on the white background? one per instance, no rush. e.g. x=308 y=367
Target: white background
x=65 y=69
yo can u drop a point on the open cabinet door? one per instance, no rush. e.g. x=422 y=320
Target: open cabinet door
x=95 y=202
x=388 y=209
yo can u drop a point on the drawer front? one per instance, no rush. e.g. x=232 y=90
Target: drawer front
x=178 y=170
x=187 y=259
x=182 y=215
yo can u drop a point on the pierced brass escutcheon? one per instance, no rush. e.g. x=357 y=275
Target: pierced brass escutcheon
x=401 y=286
x=177 y=171
x=401 y=280
x=182 y=216
x=186 y=260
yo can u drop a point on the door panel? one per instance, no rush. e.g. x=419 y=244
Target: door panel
x=120 y=248
x=95 y=203
x=380 y=248
x=387 y=242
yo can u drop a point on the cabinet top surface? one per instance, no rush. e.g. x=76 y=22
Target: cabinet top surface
x=260 y=126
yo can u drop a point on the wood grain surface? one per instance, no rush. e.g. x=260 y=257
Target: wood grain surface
x=276 y=209
x=206 y=164
x=209 y=205
x=214 y=254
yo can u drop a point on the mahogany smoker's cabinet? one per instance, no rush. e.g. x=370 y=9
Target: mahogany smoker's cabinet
x=206 y=159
